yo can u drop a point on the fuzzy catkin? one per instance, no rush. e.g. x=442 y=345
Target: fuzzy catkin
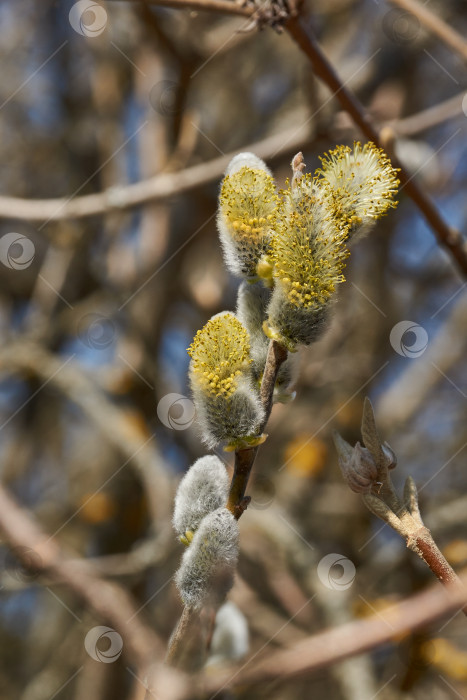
x=227 y=400
x=246 y=214
x=203 y=489
x=230 y=639
x=363 y=185
x=206 y=573
x=252 y=303
x=308 y=254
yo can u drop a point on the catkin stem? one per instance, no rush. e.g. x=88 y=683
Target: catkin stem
x=244 y=459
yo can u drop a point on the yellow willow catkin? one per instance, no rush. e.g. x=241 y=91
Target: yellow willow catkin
x=308 y=253
x=363 y=184
x=247 y=213
x=226 y=398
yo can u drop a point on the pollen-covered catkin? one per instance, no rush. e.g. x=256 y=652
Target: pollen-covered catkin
x=246 y=214
x=204 y=488
x=363 y=185
x=226 y=397
x=308 y=254
x=252 y=303
x=206 y=573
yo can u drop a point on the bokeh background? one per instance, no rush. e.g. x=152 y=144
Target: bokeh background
x=97 y=310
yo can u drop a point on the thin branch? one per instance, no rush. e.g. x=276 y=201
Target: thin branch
x=224 y=7
x=27 y=357
x=168 y=184
x=154 y=189
x=436 y=25
x=422 y=542
x=448 y=237
x=326 y=648
x=427 y=118
x=191 y=628
x=111 y=602
x=244 y=459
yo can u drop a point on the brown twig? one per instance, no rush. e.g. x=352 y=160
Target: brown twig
x=326 y=648
x=191 y=624
x=448 y=237
x=154 y=189
x=436 y=25
x=427 y=118
x=27 y=357
x=42 y=555
x=188 y=646
x=423 y=543
x=244 y=459
x=224 y=7
x=111 y=602
x=368 y=472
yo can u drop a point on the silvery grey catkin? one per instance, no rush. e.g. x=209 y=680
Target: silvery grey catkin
x=208 y=566
x=204 y=488
x=252 y=304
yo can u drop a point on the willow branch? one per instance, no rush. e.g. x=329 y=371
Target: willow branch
x=244 y=459
x=224 y=7
x=28 y=357
x=448 y=237
x=190 y=633
x=111 y=602
x=154 y=189
x=326 y=648
x=427 y=118
x=436 y=25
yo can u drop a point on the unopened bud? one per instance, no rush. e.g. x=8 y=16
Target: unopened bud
x=357 y=465
x=390 y=459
